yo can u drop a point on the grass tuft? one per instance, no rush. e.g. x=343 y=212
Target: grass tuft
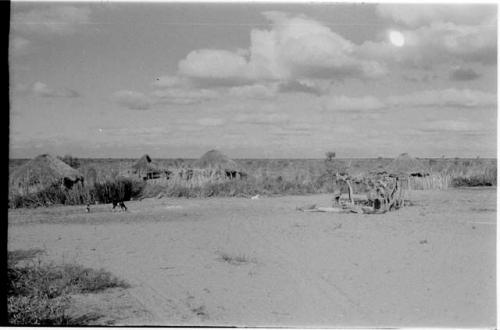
x=40 y=294
x=235 y=260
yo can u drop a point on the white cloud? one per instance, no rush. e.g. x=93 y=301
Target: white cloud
x=439 y=34
x=345 y=103
x=261 y=118
x=451 y=126
x=295 y=47
x=170 y=81
x=445 y=98
x=211 y=121
x=305 y=48
x=43 y=90
x=183 y=95
x=132 y=100
x=57 y=19
x=451 y=97
x=256 y=91
x=423 y=14
x=215 y=66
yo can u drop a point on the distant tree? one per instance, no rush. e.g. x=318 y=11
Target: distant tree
x=330 y=155
x=71 y=161
x=335 y=166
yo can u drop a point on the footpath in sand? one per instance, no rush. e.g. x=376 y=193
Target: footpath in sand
x=234 y=261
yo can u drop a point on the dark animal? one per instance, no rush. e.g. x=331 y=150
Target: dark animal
x=119 y=203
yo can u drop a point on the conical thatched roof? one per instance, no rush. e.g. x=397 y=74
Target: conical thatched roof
x=145 y=164
x=407 y=165
x=146 y=168
x=44 y=170
x=216 y=159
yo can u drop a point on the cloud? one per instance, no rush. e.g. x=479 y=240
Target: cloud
x=438 y=34
x=451 y=97
x=183 y=96
x=262 y=119
x=420 y=77
x=41 y=89
x=56 y=19
x=256 y=91
x=132 y=100
x=215 y=66
x=211 y=121
x=464 y=98
x=316 y=87
x=170 y=82
x=295 y=47
x=345 y=103
x=417 y=14
x=463 y=74
x=451 y=126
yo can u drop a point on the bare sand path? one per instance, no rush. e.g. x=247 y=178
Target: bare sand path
x=233 y=261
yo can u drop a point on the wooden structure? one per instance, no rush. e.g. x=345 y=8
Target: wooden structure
x=384 y=193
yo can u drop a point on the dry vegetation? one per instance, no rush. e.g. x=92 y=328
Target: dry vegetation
x=265 y=177
x=41 y=294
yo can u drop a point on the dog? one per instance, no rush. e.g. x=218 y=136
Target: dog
x=121 y=204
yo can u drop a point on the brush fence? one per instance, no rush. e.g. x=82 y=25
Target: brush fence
x=196 y=177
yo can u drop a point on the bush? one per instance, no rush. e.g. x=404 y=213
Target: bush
x=40 y=294
x=106 y=192
x=122 y=189
x=53 y=194
x=474 y=181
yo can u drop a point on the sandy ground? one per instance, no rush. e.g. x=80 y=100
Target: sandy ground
x=234 y=261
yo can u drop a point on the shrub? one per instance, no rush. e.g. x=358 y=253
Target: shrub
x=53 y=194
x=105 y=192
x=474 y=181
x=121 y=189
x=39 y=294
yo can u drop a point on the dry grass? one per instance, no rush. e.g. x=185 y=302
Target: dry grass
x=234 y=259
x=265 y=177
x=40 y=294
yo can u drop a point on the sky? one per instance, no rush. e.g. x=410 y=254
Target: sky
x=174 y=80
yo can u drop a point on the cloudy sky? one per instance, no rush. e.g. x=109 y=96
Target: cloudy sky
x=253 y=80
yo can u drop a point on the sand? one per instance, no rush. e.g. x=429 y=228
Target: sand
x=236 y=261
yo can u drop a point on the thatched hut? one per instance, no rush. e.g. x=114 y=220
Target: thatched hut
x=216 y=160
x=43 y=171
x=405 y=165
x=146 y=169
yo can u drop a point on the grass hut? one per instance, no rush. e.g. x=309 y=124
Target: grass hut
x=146 y=169
x=216 y=160
x=43 y=171
x=405 y=165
